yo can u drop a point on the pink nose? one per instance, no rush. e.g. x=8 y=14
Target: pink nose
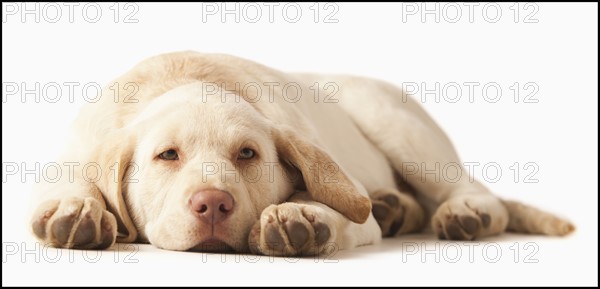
x=212 y=206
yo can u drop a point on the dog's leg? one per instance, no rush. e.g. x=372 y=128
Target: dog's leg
x=71 y=213
x=303 y=227
x=425 y=158
x=397 y=212
x=428 y=162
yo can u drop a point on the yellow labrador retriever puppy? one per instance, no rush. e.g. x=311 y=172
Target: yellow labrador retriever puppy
x=208 y=152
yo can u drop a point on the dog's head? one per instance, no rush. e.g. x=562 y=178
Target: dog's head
x=194 y=172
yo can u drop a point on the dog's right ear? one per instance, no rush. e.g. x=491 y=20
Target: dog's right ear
x=325 y=181
x=114 y=157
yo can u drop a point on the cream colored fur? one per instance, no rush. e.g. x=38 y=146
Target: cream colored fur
x=319 y=161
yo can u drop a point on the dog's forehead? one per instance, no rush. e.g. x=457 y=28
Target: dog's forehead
x=201 y=102
x=188 y=116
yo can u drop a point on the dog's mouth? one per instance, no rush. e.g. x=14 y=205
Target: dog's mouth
x=212 y=245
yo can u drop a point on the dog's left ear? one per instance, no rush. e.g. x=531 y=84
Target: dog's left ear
x=114 y=157
x=325 y=181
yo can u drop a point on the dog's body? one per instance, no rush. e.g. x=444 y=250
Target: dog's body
x=217 y=143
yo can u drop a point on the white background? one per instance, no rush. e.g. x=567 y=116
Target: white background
x=558 y=134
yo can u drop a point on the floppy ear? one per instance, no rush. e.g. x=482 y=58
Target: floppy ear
x=325 y=181
x=115 y=154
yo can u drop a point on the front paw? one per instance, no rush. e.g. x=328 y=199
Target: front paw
x=291 y=229
x=80 y=223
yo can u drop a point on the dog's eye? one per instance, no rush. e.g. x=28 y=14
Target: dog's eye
x=170 y=155
x=246 y=154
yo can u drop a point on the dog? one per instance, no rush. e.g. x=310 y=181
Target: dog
x=209 y=152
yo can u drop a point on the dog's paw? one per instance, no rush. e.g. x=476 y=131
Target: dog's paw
x=80 y=223
x=388 y=211
x=469 y=217
x=291 y=229
x=396 y=213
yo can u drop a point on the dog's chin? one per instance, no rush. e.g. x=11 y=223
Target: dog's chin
x=213 y=246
